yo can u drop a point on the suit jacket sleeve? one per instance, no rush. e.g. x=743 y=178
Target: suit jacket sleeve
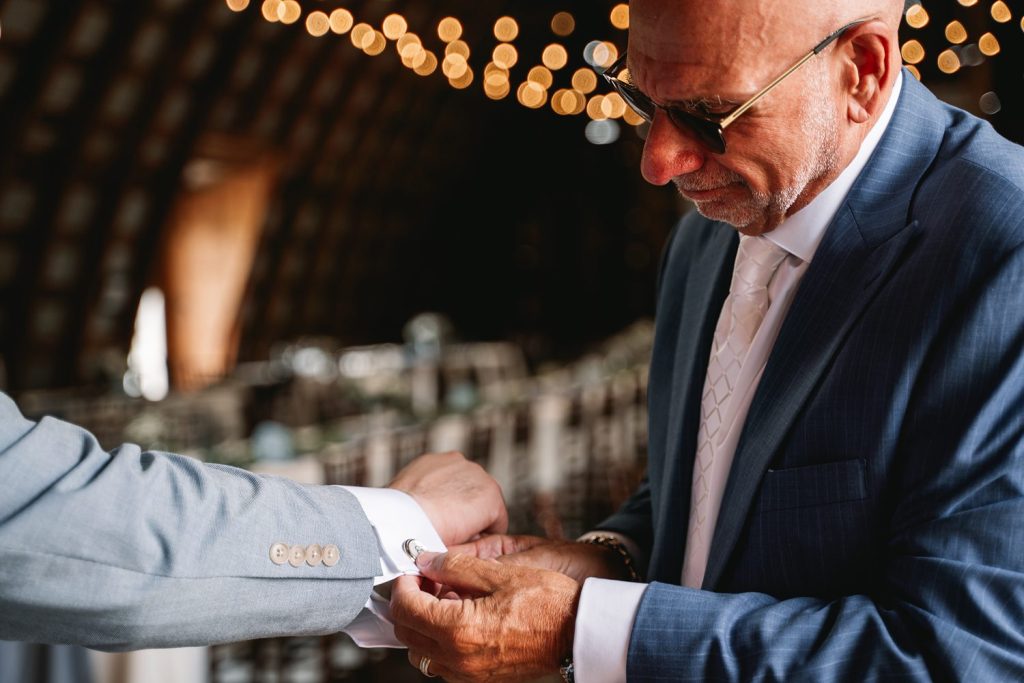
x=129 y=549
x=949 y=601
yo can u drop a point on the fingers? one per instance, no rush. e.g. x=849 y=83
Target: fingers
x=500 y=525
x=463 y=573
x=497 y=545
x=409 y=603
x=415 y=640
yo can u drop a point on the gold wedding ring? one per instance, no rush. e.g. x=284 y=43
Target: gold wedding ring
x=425 y=667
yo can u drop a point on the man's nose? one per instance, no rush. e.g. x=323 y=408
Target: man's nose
x=669 y=152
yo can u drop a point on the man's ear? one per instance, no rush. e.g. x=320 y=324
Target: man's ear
x=868 y=52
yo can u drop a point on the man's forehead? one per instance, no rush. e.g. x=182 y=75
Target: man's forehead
x=683 y=30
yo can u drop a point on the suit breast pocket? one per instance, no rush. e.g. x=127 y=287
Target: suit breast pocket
x=813 y=485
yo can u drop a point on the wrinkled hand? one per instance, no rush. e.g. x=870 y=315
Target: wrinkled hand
x=518 y=626
x=579 y=561
x=458 y=496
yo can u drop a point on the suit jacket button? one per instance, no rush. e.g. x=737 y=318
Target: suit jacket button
x=313 y=555
x=331 y=555
x=279 y=553
x=296 y=555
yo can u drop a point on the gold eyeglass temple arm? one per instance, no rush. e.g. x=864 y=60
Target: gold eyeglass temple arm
x=764 y=91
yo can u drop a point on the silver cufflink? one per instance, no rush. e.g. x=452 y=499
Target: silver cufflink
x=413 y=548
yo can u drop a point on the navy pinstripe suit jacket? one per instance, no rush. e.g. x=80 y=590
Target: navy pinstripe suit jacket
x=873 y=521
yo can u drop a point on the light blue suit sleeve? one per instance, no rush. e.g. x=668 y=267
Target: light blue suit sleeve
x=129 y=549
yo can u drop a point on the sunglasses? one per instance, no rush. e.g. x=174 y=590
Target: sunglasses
x=708 y=128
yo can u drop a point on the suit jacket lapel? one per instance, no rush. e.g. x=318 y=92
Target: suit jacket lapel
x=862 y=244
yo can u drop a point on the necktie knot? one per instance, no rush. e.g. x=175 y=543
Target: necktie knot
x=756 y=262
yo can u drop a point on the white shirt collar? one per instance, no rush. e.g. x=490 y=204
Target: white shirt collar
x=801 y=233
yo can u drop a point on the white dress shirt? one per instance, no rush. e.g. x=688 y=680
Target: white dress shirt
x=396 y=518
x=607 y=609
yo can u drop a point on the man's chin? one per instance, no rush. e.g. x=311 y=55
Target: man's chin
x=726 y=212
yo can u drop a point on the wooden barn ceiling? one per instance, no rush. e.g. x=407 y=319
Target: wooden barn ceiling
x=393 y=193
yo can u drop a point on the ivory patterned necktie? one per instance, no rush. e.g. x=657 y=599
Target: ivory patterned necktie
x=742 y=313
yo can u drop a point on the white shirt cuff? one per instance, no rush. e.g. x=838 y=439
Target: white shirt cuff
x=395 y=518
x=604 y=622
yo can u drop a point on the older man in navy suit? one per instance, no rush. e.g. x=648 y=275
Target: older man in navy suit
x=836 y=480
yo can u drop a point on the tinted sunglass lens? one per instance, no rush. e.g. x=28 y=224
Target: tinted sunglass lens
x=707 y=132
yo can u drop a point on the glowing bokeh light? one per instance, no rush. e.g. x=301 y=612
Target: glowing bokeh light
x=563 y=24
x=584 y=80
x=912 y=51
x=948 y=62
x=505 y=55
x=541 y=76
x=449 y=29
x=317 y=24
x=1001 y=12
x=457 y=47
x=917 y=16
x=531 y=95
x=620 y=16
x=990 y=104
x=341 y=21
x=288 y=12
x=955 y=32
x=429 y=64
x=463 y=81
x=555 y=57
x=270 y=8
x=454 y=66
x=376 y=44
x=395 y=26
x=989 y=45
x=506 y=29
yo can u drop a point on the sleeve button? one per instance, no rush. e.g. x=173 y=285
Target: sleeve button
x=296 y=555
x=279 y=553
x=313 y=555
x=331 y=555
